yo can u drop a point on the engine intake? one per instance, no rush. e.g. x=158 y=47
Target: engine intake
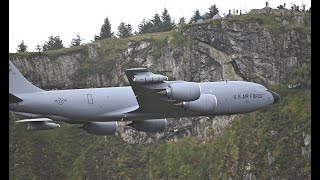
x=152 y=125
x=100 y=128
x=186 y=91
x=205 y=104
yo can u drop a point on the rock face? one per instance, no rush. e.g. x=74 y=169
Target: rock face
x=267 y=49
x=256 y=54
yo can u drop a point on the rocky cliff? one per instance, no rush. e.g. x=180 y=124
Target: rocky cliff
x=267 y=47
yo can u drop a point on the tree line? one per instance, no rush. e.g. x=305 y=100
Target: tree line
x=158 y=23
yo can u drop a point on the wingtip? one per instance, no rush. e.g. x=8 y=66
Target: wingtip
x=137 y=70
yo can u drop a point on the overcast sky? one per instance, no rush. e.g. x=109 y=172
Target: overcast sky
x=35 y=20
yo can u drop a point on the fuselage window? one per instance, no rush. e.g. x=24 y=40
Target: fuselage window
x=90 y=99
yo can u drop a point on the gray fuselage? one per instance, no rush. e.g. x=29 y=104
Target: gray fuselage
x=119 y=103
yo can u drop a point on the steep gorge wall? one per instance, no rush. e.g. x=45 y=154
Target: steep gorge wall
x=268 y=49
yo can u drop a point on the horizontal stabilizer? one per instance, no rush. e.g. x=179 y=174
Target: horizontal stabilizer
x=14 y=99
x=34 y=120
x=24 y=115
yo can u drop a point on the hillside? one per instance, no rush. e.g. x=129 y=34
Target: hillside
x=272 y=143
x=269 y=48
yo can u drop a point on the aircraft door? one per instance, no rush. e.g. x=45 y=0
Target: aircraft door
x=89 y=98
x=91 y=109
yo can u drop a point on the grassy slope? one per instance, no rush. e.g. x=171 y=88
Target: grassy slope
x=275 y=132
x=70 y=153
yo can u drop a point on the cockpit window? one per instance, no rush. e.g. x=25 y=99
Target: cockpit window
x=260 y=87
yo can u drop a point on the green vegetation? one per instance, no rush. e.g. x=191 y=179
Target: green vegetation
x=269 y=140
x=196 y=16
x=70 y=153
x=76 y=41
x=176 y=39
x=213 y=10
x=22 y=47
x=159 y=44
x=53 y=43
x=52 y=54
x=298 y=75
x=271 y=22
x=156 y=24
x=105 y=31
x=124 y=30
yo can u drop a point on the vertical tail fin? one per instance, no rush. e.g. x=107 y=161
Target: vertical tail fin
x=19 y=84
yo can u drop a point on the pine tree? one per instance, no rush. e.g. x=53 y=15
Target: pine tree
x=156 y=23
x=213 y=10
x=142 y=27
x=105 y=31
x=22 y=47
x=125 y=30
x=196 y=16
x=76 y=41
x=53 y=43
x=145 y=27
x=167 y=23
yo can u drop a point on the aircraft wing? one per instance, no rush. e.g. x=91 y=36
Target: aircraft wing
x=146 y=87
x=34 y=120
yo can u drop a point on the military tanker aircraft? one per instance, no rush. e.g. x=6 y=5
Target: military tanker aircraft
x=145 y=104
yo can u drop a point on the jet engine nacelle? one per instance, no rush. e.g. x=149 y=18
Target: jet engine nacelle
x=186 y=91
x=41 y=125
x=207 y=103
x=100 y=128
x=152 y=125
x=155 y=78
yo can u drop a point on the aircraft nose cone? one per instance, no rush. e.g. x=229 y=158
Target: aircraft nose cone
x=276 y=96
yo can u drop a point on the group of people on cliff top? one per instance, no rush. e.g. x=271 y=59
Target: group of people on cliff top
x=293 y=8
